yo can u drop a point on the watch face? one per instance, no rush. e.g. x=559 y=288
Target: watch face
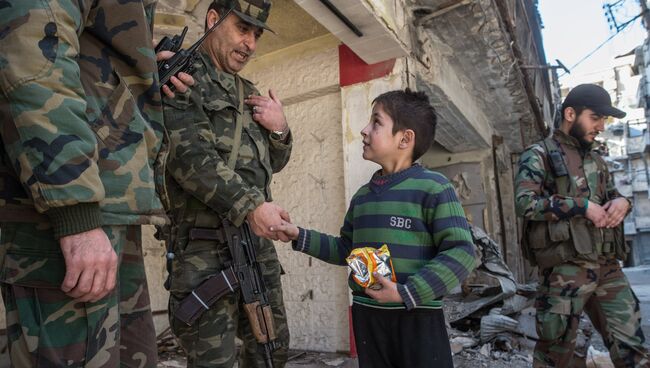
x=278 y=134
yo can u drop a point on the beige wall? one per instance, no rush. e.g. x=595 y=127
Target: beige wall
x=306 y=77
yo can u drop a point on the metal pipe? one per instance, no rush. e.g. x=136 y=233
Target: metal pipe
x=342 y=17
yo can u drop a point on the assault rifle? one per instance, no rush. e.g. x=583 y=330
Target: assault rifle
x=243 y=274
x=251 y=284
x=183 y=60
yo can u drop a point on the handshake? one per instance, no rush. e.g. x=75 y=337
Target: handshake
x=272 y=222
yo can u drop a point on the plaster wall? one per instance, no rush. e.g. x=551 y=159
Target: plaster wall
x=356 y=103
x=311 y=187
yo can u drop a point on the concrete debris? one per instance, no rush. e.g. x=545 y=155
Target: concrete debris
x=598 y=359
x=491 y=265
x=461 y=342
x=485 y=350
x=494 y=324
x=492 y=319
x=334 y=363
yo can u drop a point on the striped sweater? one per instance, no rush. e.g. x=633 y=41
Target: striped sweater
x=416 y=212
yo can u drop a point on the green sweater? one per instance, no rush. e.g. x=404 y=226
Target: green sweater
x=416 y=212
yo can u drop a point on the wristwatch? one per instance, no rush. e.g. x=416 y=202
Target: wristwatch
x=280 y=135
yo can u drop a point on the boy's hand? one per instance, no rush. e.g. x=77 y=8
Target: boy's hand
x=289 y=230
x=388 y=292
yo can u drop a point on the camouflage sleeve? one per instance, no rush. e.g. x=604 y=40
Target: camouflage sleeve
x=280 y=152
x=531 y=201
x=197 y=166
x=45 y=129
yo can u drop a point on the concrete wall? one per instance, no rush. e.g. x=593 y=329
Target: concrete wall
x=311 y=187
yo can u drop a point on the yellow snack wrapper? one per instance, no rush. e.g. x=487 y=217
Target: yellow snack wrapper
x=368 y=260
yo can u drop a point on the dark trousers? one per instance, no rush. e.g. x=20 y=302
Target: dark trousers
x=400 y=338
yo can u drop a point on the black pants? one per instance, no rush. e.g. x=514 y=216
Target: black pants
x=400 y=338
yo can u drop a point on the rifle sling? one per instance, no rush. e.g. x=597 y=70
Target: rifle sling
x=204 y=296
x=239 y=125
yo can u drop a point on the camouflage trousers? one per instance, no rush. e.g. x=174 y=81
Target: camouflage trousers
x=603 y=292
x=210 y=341
x=46 y=328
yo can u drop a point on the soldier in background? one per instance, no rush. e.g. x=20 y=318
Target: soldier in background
x=80 y=139
x=217 y=171
x=573 y=218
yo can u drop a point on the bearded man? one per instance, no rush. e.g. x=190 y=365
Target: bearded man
x=573 y=231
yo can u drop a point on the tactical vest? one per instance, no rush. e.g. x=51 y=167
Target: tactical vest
x=549 y=243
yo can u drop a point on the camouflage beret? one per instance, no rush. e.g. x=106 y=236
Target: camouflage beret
x=254 y=12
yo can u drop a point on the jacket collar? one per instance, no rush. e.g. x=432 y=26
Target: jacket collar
x=227 y=81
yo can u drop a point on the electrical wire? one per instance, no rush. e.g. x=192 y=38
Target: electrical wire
x=621 y=29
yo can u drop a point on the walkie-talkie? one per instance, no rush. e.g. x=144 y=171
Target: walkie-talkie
x=171 y=44
x=183 y=60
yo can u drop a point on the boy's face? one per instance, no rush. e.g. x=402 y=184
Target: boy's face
x=379 y=143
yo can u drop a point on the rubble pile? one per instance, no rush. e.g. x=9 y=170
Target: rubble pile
x=492 y=323
x=170 y=354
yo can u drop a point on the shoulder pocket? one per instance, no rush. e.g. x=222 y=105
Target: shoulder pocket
x=29 y=45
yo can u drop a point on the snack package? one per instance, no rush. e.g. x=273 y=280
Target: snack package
x=365 y=261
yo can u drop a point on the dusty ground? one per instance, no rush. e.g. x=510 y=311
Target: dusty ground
x=328 y=360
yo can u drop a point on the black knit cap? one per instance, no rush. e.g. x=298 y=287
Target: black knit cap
x=593 y=97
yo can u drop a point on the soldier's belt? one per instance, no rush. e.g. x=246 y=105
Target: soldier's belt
x=202 y=298
x=204 y=233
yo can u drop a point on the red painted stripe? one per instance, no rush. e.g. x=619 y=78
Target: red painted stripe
x=353 y=70
x=353 y=344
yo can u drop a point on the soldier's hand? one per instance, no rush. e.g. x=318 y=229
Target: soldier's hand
x=91 y=265
x=263 y=217
x=596 y=214
x=268 y=112
x=182 y=81
x=616 y=210
x=288 y=229
x=388 y=292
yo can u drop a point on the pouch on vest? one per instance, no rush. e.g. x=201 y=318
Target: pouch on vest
x=584 y=235
x=621 y=248
x=547 y=241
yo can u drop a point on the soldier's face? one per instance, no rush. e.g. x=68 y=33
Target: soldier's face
x=233 y=43
x=587 y=126
x=380 y=145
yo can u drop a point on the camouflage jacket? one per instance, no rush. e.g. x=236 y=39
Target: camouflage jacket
x=536 y=192
x=201 y=127
x=81 y=113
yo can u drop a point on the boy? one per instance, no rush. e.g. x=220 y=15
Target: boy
x=415 y=211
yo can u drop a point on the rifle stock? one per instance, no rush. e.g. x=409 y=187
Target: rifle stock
x=254 y=293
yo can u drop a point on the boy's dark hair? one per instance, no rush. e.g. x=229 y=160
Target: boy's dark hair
x=411 y=110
